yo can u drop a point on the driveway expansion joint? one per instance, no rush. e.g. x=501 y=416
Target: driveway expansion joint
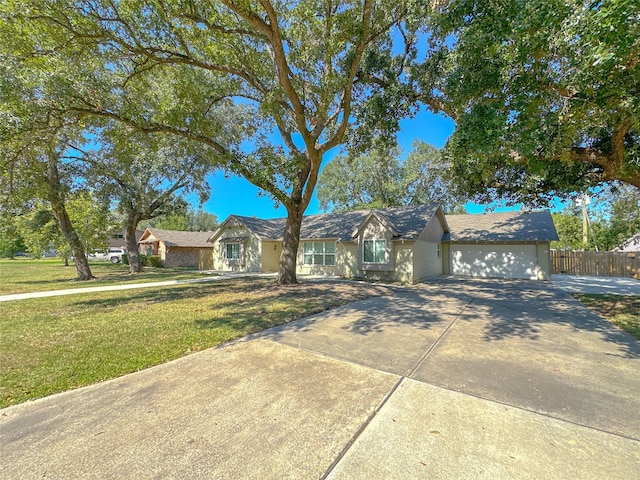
x=362 y=428
x=439 y=339
x=529 y=410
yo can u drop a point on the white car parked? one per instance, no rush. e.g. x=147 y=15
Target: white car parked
x=114 y=255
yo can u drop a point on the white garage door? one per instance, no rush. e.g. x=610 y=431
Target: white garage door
x=503 y=261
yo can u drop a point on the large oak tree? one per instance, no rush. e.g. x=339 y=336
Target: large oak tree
x=268 y=86
x=35 y=158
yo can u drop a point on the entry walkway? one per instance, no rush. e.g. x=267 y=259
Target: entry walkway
x=214 y=276
x=106 y=288
x=454 y=379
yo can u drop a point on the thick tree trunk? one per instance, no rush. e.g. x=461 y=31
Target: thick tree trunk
x=290 y=242
x=133 y=253
x=56 y=199
x=70 y=235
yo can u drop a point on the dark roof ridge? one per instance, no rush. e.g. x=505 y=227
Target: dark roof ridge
x=521 y=225
x=340 y=225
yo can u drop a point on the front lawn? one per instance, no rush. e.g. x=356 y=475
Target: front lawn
x=36 y=275
x=50 y=345
x=621 y=310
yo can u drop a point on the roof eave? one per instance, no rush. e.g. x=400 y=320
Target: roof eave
x=223 y=225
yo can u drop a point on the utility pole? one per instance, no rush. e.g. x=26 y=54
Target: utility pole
x=583 y=201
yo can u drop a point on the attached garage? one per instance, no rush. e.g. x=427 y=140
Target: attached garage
x=502 y=261
x=499 y=245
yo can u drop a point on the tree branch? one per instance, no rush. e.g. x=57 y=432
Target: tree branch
x=348 y=89
x=228 y=155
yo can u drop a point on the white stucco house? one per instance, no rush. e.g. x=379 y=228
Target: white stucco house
x=404 y=244
x=630 y=245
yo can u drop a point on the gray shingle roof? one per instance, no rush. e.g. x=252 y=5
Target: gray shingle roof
x=175 y=238
x=267 y=229
x=630 y=245
x=409 y=221
x=332 y=225
x=502 y=227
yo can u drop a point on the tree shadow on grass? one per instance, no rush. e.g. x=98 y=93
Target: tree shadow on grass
x=170 y=293
x=249 y=301
x=295 y=302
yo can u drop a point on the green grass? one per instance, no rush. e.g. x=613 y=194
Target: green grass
x=621 y=310
x=50 y=345
x=29 y=275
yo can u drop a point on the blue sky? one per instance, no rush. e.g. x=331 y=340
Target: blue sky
x=235 y=195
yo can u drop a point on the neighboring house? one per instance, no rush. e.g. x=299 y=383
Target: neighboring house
x=178 y=249
x=116 y=239
x=630 y=245
x=50 y=253
x=507 y=245
x=402 y=244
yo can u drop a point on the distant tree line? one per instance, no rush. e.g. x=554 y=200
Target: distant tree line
x=380 y=178
x=36 y=231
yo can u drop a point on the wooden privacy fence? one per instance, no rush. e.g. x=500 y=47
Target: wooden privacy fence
x=602 y=264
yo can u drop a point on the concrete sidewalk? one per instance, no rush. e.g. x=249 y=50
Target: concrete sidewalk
x=214 y=276
x=597 y=285
x=456 y=379
x=106 y=288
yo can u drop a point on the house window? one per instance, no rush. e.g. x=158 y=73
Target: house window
x=375 y=251
x=319 y=253
x=233 y=251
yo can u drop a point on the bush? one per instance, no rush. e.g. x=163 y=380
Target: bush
x=144 y=260
x=155 y=261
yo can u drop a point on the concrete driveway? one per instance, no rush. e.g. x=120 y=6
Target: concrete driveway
x=451 y=379
x=597 y=285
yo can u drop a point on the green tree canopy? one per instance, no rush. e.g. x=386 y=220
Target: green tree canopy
x=35 y=143
x=545 y=94
x=619 y=217
x=379 y=179
x=613 y=217
x=11 y=242
x=354 y=182
x=186 y=219
x=145 y=175
x=36 y=170
x=569 y=227
x=225 y=74
x=40 y=230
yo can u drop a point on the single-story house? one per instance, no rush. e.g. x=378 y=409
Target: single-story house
x=116 y=239
x=178 y=249
x=402 y=244
x=501 y=245
x=630 y=245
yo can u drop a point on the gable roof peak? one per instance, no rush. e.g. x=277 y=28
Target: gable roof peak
x=405 y=222
x=177 y=238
